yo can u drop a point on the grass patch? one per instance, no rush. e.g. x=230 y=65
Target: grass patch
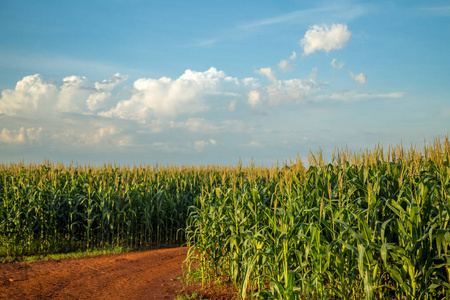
x=59 y=256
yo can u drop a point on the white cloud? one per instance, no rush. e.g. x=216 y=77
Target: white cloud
x=286 y=66
x=269 y=73
x=251 y=83
x=254 y=98
x=110 y=83
x=361 y=78
x=24 y=112
x=12 y=137
x=324 y=38
x=103 y=91
x=351 y=96
x=293 y=56
x=194 y=124
x=73 y=95
x=95 y=100
x=208 y=126
x=32 y=96
x=20 y=136
x=292 y=90
x=199 y=146
x=166 y=97
x=78 y=95
x=337 y=66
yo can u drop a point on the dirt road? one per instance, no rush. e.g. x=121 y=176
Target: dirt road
x=151 y=274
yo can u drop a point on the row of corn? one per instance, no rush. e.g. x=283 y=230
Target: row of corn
x=52 y=208
x=368 y=225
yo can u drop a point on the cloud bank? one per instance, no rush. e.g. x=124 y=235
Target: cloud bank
x=190 y=114
x=188 y=94
x=20 y=136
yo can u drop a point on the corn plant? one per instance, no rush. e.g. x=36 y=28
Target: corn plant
x=369 y=225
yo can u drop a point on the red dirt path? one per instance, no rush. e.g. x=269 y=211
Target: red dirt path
x=150 y=274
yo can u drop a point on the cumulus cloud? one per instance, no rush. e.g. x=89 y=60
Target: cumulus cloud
x=269 y=73
x=31 y=96
x=15 y=137
x=286 y=66
x=77 y=94
x=110 y=83
x=95 y=100
x=251 y=83
x=335 y=65
x=324 y=38
x=199 y=146
x=254 y=98
x=73 y=95
x=292 y=90
x=279 y=91
x=103 y=91
x=166 y=97
x=20 y=136
x=293 y=56
x=34 y=96
x=361 y=78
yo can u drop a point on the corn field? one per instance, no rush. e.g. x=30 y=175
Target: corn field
x=52 y=208
x=368 y=225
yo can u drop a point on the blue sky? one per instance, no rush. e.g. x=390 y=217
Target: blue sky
x=210 y=82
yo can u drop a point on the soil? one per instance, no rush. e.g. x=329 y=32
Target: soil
x=153 y=274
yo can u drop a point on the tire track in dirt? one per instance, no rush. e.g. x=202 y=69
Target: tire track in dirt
x=152 y=274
